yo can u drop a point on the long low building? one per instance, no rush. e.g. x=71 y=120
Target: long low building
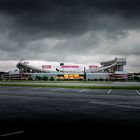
x=108 y=70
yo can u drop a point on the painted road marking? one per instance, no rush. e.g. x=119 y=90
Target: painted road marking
x=9 y=134
x=137 y=92
x=35 y=88
x=57 y=89
x=24 y=96
x=82 y=90
x=109 y=91
x=117 y=105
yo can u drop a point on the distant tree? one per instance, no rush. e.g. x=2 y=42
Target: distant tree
x=95 y=79
x=45 y=78
x=30 y=78
x=100 y=79
x=51 y=78
x=38 y=78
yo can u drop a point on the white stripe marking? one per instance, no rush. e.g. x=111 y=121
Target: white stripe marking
x=117 y=105
x=137 y=92
x=14 y=133
x=109 y=91
x=82 y=90
x=57 y=89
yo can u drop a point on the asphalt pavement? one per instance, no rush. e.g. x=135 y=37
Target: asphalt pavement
x=31 y=110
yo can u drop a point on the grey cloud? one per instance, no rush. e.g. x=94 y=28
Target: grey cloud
x=55 y=17
x=75 y=29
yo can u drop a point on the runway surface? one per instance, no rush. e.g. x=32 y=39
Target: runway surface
x=31 y=110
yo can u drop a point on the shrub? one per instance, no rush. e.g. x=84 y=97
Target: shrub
x=51 y=78
x=100 y=79
x=95 y=79
x=38 y=78
x=30 y=78
x=45 y=78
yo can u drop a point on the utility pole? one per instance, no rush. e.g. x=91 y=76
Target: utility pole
x=84 y=74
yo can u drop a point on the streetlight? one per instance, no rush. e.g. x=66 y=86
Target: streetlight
x=84 y=74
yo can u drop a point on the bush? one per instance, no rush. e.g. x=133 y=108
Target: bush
x=45 y=78
x=95 y=79
x=100 y=79
x=30 y=78
x=38 y=78
x=51 y=78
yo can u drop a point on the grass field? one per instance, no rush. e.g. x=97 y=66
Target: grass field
x=48 y=81
x=70 y=84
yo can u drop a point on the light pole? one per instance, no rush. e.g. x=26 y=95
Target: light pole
x=84 y=74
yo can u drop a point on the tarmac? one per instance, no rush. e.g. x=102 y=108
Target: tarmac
x=37 y=110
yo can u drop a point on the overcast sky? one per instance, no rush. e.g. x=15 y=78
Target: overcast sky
x=81 y=31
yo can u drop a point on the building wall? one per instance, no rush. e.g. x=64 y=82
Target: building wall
x=92 y=76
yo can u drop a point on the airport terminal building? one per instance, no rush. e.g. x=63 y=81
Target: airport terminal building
x=113 y=69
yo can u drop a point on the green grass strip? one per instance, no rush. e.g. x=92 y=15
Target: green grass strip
x=66 y=86
x=41 y=81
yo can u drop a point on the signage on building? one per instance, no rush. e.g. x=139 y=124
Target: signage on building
x=92 y=66
x=46 y=66
x=68 y=67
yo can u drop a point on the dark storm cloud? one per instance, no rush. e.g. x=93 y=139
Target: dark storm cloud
x=49 y=17
x=87 y=29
